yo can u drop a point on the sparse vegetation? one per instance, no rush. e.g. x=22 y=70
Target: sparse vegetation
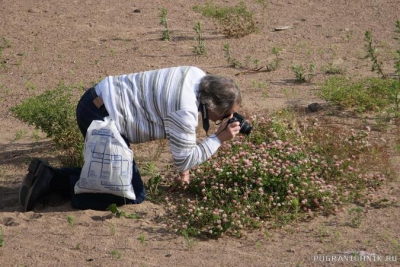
x=4 y=44
x=252 y=65
x=227 y=54
x=1 y=237
x=372 y=53
x=234 y=21
x=200 y=48
x=330 y=69
x=355 y=216
x=71 y=220
x=119 y=213
x=164 y=22
x=301 y=74
x=142 y=238
x=371 y=94
x=115 y=254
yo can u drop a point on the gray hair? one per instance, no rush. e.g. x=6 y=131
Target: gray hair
x=219 y=94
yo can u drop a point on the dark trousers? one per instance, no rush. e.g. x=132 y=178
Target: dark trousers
x=86 y=112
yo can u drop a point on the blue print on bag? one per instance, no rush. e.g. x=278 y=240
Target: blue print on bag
x=103 y=132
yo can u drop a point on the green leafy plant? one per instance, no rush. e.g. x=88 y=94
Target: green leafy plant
x=53 y=112
x=188 y=239
x=153 y=184
x=355 y=216
x=256 y=66
x=275 y=63
x=115 y=254
x=71 y=220
x=200 y=48
x=372 y=53
x=164 y=22
x=301 y=74
x=20 y=134
x=119 y=213
x=227 y=54
x=234 y=21
x=142 y=238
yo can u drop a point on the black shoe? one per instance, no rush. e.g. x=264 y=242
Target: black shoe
x=29 y=180
x=40 y=187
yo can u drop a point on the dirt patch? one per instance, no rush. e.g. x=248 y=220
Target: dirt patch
x=81 y=42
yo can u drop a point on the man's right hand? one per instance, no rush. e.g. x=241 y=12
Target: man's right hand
x=227 y=131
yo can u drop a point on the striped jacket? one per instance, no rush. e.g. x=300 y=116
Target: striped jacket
x=160 y=104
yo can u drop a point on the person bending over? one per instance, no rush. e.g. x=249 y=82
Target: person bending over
x=150 y=105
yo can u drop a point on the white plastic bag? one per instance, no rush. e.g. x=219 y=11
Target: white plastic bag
x=108 y=162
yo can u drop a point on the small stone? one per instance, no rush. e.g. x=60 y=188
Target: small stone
x=282 y=28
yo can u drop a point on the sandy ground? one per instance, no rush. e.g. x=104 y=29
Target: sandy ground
x=84 y=41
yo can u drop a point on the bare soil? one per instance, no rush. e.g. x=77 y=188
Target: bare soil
x=84 y=41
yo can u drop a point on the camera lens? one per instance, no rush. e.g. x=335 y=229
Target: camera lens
x=245 y=128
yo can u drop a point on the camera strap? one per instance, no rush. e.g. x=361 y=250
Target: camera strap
x=204 y=116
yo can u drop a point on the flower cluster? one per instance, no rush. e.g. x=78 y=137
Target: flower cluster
x=283 y=170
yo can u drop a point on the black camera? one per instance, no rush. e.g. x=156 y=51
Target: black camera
x=245 y=128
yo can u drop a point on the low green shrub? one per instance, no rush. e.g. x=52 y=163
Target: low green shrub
x=53 y=112
x=234 y=21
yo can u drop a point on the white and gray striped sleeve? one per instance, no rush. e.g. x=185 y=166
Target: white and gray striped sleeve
x=180 y=128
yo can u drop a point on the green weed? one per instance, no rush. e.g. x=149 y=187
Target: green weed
x=115 y=254
x=227 y=54
x=200 y=48
x=330 y=69
x=153 y=184
x=252 y=64
x=142 y=238
x=164 y=22
x=276 y=62
x=372 y=53
x=19 y=135
x=188 y=238
x=234 y=21
x=119 y=213
x=355 y=216
x=71 y=220
x=301 y=74
x=1 y=237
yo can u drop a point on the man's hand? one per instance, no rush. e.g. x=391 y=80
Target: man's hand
x=181 y=182
x=185 y=177
x=227 y=131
